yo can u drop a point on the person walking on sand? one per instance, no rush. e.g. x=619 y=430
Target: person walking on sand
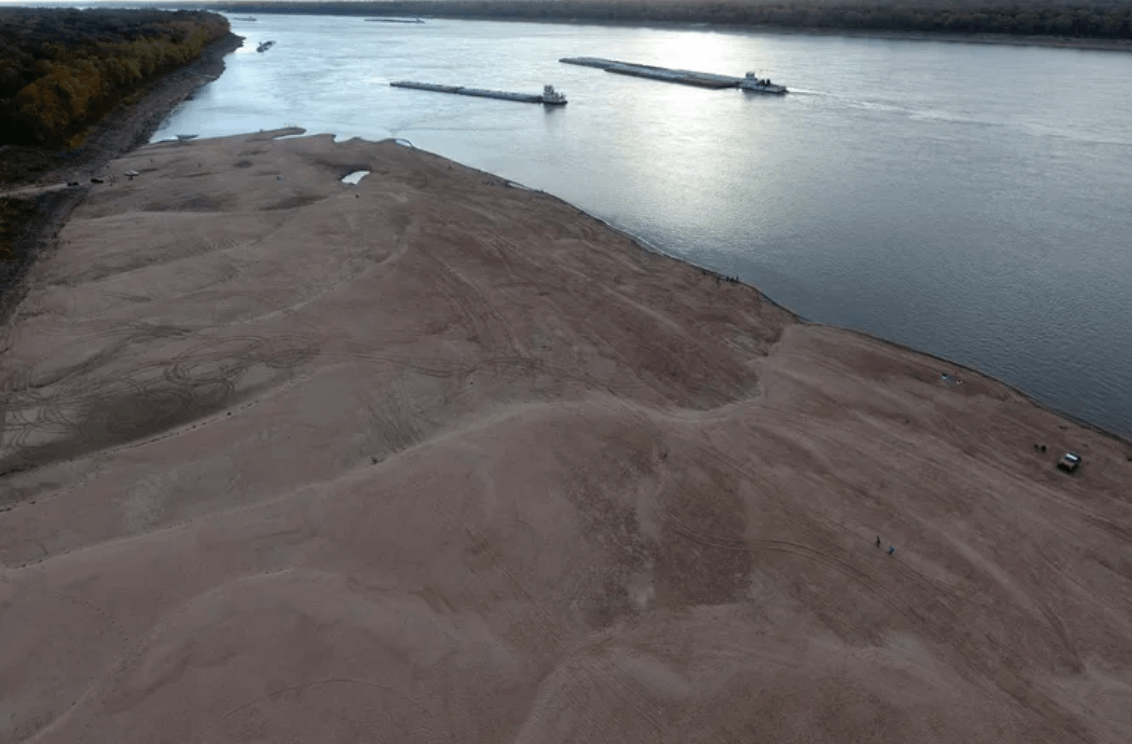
x=891 y=550
x=878 y=541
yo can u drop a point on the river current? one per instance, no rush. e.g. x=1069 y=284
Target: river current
x=969 y=200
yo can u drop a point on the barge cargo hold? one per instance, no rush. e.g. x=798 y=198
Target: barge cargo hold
x=549 y=96
x=684 y=77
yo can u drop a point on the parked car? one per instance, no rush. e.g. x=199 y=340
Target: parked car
x=1069 y=462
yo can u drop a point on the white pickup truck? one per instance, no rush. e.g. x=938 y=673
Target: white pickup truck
x=1069 y=462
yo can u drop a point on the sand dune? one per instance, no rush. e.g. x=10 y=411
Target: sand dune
x=431 y=458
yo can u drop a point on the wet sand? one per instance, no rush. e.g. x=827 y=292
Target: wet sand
x=435 y=458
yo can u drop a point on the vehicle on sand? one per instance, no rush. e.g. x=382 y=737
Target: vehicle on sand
x=1069 y=462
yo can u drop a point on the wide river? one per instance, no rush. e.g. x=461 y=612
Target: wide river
x=972 y=201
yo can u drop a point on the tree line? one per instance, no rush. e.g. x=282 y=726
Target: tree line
x=62 y=69
x=1109 y=19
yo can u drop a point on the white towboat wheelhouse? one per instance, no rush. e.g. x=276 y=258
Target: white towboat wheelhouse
x=550 y=95
x=752 y=81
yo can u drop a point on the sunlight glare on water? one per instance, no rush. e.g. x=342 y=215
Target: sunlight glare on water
x=969 y=200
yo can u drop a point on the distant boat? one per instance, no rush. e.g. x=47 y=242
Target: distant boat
x=750 y=82
x=249 y=18
x=395 y=20
x=185 y=137
x=549 y=95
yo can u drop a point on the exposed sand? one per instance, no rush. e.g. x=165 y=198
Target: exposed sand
x=433 y=459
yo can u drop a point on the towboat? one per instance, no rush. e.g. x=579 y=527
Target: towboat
x=756 y=84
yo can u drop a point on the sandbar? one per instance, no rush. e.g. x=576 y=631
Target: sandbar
x=436 y=458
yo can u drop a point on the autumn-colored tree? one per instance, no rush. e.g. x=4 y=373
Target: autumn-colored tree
x=51 y=89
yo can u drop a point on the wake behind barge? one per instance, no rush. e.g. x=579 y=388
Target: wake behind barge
x=685 y=77
x=549 y=96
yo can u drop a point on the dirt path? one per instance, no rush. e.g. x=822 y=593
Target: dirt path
x=24 y=192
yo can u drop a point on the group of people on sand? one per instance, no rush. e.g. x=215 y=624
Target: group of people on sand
x=718 y=277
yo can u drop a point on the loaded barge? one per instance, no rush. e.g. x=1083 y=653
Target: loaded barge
x=549 y=96
x=684 y=77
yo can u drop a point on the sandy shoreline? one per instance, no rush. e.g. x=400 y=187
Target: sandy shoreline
x=432 y=457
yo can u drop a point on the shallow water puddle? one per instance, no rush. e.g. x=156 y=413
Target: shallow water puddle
x=354 y=177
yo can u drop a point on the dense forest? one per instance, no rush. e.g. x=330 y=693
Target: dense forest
x=61 y=70
x=1109 y=19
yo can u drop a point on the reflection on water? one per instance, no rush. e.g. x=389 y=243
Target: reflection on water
x=969 y=200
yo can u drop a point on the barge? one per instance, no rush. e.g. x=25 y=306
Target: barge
x=684 y=77
x=549 y=95
x=395 y=20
